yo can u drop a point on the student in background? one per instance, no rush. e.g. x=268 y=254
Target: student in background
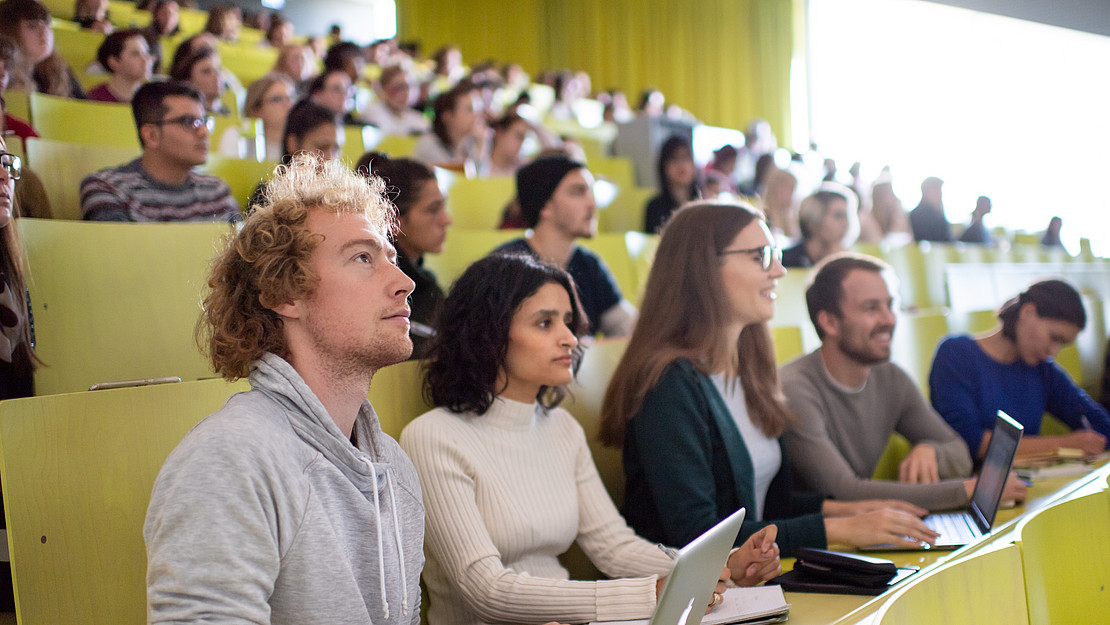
x=557 y=203
x=163 y=23
x=392 y=111
x=269 y=99
x=1011 y=368
x=828 y=222
x=508 y=480
x=202 y=70
x=162 y=184
x=125 y=55
x=677 y=176
x=92 y=15
x=455 y=141
x=41 y=68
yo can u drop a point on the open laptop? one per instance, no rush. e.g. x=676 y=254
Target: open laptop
x=957 y=529
x=689 y=586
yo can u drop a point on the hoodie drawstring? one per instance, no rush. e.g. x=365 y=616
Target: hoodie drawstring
x=396 y=537
x=400 y=547
x=381 y=557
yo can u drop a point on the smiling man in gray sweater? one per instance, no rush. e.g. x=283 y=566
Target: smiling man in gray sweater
x=290 y=505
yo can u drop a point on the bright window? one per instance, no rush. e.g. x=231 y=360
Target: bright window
x=995 y=106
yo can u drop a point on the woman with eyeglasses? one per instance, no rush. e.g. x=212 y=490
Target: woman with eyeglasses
x=696 y=401
x=17 y=356
x=269 y=99
x=507 y=476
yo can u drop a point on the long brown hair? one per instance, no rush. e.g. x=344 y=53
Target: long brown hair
x=686 y=314
x=11 y=266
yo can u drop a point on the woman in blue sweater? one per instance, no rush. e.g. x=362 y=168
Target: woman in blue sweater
x=1011 y=368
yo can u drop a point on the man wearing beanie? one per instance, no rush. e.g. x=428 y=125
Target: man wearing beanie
x=557 y=203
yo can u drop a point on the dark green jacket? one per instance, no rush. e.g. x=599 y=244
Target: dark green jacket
x=687 y=467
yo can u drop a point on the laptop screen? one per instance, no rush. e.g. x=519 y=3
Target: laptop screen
x=995 y=471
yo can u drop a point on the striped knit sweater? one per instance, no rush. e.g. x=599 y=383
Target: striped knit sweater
x=506 y=493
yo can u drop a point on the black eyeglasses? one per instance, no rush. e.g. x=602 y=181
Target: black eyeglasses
x=12 y=163
x=189 y=123
x=768 y=255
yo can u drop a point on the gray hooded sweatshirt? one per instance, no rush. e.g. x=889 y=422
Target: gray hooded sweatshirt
x=266 y=513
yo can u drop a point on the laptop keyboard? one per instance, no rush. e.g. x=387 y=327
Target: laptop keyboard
x=955 y=528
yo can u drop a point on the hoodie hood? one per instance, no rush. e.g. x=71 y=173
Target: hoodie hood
x=367 y=467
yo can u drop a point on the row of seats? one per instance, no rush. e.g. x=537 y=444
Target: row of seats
x=1053 y=570
x=64 y=165
x=245 y=59
x=101 y=292
x=80 y=137
x=78 y=469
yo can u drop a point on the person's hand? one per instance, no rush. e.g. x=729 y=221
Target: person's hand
x=718 y=591
x=920 y=466
x=757 y=560
x=1015 y=489
x=851 y=508
x=1091 y=443
x=882 y=526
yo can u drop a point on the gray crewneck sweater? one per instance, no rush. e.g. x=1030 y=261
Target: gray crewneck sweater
x=266 y=513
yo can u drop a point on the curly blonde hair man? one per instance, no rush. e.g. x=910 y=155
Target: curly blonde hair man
x=267 y=262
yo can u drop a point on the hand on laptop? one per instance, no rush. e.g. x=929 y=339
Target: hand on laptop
x=757 y=560
x=1015 y=488
x=832 y=508
x=920 y=466
x=886 y=525
x=718 y=591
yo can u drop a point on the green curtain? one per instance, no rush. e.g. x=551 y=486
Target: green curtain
x=726 y=61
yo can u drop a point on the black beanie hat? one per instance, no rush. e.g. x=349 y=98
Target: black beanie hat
x=536 y=183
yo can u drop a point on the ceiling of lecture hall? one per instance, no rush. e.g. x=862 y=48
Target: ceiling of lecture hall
x=1091 y=16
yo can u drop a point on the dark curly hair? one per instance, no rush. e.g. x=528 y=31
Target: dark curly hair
x=473 y=340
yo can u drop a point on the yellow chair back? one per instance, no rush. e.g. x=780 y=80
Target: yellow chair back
x=587 y=393
x=241 y=174
x=117 y=301
x=397 y=395
x=985 y=588
x=17 y=104
x=626 y=211
x=477 y=203
x=77 y=46
x=62 y=166
x=1064 y=551
x=191 y=21
x=61 y=9
x=613 y=249
x=791 y=309
x=248 y=63
x=788 y=343
x=396 y=145
x=618 y=170
x=124 y=14
x=82 y=121
x=77 y=473
x=915 y=342
x=462 y=248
